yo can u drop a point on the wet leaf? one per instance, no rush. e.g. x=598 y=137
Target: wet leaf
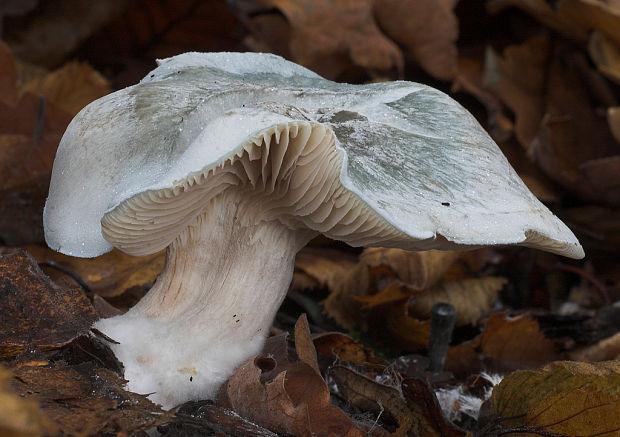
x=472 y=298
x=569 y=398
x=287 y=396
x=21 y=417
x=86 y=400
x=34 y=311
x=427 y=29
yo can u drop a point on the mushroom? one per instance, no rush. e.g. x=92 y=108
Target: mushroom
x=233 y=162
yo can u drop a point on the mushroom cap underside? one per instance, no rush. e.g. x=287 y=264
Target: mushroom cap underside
x=395 y=164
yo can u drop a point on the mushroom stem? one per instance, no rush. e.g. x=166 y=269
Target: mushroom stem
x=211 y=308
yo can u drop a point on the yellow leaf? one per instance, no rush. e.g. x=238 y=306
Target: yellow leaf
x=472 y=298
x=566 y=397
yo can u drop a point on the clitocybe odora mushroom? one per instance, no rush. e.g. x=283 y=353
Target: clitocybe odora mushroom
x=233 y=162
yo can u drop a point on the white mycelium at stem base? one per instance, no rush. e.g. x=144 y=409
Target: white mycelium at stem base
x=225 y=277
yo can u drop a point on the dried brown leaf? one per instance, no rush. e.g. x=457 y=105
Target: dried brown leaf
x=330 y=37
x=71 y=87
x=472 y=298
x=419 y=270
x=613 y=118
x=8 y=76
x=572 y=18
x=568 y=398
x=606 y=56
x=21 y=417
x=325 y=266
x=606 y=349
x=34 y=311
x=427 y=29
x=110 y=274
x=506 y=344
x=341 y=346
x=287 y=396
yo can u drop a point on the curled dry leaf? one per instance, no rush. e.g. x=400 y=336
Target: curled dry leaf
x=472 y=298
x=567 y=398
x=108 y=275
x=34 y=311
x=410 y=403
x=287 y=396
x=86 y=400
x=506 y=343
x=366 y=284
x=330 y=37
x=427 y=29
x=337 y=345
x=21 y=417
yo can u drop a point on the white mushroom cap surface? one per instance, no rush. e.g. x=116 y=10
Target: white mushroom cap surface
x=394 y=163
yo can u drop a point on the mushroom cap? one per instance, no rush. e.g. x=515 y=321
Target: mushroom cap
x=395 y=163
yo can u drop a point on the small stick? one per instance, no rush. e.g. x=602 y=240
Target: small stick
x=443 y=316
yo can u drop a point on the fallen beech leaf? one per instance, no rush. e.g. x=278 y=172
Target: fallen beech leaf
x=606 y=56
x=287 y=396
x=517 y=79
x=342 y=347
x=372 y=296
x=331 y=36
x=412 y=405
x=606 y=349
x=71 y=87
x=419 y=270
x=544 y=85
x=427 y=29
x=572 y=18
x=568 y=398
x=613 y=118
x=395 y=292
x=506 y=344
x=110 y=274
x=21 y=417
x=35 y=311
x=326 y=266
x=86 y=400
x=472 y=298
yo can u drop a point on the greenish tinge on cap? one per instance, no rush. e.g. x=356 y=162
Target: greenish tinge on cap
x=409 y=153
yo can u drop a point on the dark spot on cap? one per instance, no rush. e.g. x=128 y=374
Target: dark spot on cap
x=445 y=203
